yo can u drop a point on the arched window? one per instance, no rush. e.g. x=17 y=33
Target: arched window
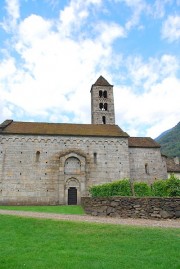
x=106 y=106
x=72 y=166
x=37 y=156
x=104 y=119
x=105 y=94
x=100 y=93
x=101 y=106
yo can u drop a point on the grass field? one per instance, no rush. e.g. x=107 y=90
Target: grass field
x=78 y=210
x=45 y=244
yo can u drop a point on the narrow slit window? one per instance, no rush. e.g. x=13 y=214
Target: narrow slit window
x=37 y=156
x=95 y=157
x=104 y=119
x=146 y=169
x=100 y=93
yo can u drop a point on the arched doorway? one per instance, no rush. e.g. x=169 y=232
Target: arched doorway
x=72 y=196
x=72 y=192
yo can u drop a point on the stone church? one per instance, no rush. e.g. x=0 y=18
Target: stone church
x=57 y=163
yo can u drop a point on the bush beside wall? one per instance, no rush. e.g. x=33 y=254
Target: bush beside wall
x=141 y=189
x=160 y=188
x=117 y=188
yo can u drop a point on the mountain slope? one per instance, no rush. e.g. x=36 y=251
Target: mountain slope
x=170 y=141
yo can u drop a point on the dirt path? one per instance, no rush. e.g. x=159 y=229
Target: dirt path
x=170 y=223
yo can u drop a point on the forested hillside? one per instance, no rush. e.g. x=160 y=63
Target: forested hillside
x=170 y=141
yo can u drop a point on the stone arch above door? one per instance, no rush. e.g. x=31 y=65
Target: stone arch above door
x=72 y=182
x=72 y=163
x=72 y=166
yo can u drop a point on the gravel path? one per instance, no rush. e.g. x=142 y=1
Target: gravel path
x=170 y=223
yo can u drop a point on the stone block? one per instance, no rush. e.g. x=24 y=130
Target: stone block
x=110 y=210
x=113 y=203
x=165 y=214
x=177 y=214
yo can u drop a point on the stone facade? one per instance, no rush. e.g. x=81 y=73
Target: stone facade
x=39 y=170
x=46 y=163
x=131 y=207
x=146 y=164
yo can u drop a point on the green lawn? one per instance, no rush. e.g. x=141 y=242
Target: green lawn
x=78 y=210
x=36 y=243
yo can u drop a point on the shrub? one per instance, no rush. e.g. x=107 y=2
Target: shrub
x=121 y=188
x=116 y=188
x=173 y=186
x=159 y=188
x=100 y=191
x=166 y=188
x=142 y=189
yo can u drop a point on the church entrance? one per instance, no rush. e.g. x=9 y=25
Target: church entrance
x=72 y=196
x=72 y=178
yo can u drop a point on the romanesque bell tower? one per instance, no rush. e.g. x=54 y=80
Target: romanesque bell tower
x=102 y=102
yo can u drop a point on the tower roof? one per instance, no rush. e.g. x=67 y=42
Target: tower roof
x=101 y=82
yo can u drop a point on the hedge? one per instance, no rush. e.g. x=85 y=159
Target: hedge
x=160 y=188
x=116 y=188
x=166 y=188
x=142 y=189
x=173 y=186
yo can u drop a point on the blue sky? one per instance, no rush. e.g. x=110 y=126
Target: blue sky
x=52 y=51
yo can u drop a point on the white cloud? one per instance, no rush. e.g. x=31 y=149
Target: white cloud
x=13 y=14
x=108 y=32
x=148 y=73
x=151 y=102
x=73 y=17
x=7 y=68
x=155 y=109
x=171 y=28
x=33 y=28
x=56 y=71
x=5 y=111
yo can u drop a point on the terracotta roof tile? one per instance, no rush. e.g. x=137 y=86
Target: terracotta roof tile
x=142 y=142
x=37 y=128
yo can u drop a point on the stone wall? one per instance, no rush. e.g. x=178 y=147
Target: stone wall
x=34 y=168
x=131 y=207
x=150 y=157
